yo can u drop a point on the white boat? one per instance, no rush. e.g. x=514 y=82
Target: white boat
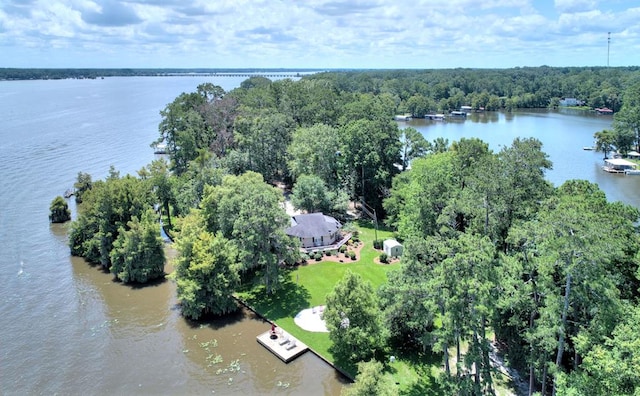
x=160 y=148
x=632 y=172
x=588 y=148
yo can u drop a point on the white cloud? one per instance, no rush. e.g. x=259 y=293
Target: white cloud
x=571 y=6
x=316 y=33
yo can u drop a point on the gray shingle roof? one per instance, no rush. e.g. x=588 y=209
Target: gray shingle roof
x=312 y=225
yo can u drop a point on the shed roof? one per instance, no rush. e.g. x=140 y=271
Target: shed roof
x=391 y=243
x=312 y=225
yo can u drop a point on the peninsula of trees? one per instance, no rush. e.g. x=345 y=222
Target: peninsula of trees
x=493 y=251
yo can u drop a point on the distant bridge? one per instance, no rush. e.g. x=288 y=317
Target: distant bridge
x=266 y=75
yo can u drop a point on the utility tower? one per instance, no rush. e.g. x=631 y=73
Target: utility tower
x=608 y=46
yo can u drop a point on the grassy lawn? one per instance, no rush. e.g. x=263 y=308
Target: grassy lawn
x=307 y=285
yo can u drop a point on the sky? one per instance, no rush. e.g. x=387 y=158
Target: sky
x=318 y=34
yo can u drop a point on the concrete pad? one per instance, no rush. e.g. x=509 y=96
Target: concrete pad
x=285 y=346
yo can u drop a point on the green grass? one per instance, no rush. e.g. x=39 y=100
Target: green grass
x=307 y=286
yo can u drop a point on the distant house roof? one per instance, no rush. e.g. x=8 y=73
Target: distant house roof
x=312 y=225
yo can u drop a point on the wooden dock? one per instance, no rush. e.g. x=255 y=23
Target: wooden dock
x=284 y=346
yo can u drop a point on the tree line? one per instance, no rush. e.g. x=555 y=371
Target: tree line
x=491 y=247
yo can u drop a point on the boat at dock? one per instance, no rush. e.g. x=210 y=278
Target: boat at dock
x=435 y=117
x=458 y=114
x=619 y=165
x=160 y=148
x=603 y=111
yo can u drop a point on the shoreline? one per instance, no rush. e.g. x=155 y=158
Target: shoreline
x=271 y=322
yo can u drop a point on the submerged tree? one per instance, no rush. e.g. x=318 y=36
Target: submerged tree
x=59 y=210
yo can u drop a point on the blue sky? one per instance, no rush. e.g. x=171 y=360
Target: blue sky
x=318 y=33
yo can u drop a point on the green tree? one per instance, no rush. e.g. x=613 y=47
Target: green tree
x=59 y=210
x=107 y=208
x=465 y=283
x=628 y=118
x=604 y=141
x=160 y=178
x=197 y=120
x=138 y=252
x=314 y=151
x=264 y=136
x=419 y=196
x=354 y=320
x=82 y=185
x=312 y=195
x=371 y=380
x=610 y=367
x=206 y=272
x=414 y=145
x=406 y=298
x=248 y=211
x=569 y=250
x=371 y=152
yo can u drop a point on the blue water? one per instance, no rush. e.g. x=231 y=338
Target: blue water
x=563 y=135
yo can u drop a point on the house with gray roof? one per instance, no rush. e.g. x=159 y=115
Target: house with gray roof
x=314 y=229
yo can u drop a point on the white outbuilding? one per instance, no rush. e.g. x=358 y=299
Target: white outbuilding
x=392 y=248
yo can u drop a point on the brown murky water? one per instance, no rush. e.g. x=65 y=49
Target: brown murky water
x=65 y=326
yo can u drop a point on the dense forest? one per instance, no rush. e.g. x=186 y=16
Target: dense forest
x=495 y=256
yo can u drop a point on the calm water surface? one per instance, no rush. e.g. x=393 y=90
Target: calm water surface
x=67 y=328
x=563 y=135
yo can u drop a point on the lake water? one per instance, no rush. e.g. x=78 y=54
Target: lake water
x=67 y=328
x=563 y=134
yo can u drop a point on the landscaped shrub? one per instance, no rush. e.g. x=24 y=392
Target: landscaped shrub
x=327 y=253
x=377 y=244
x=318 y=256
x=352 y=255
x=304 y=258
x=334 y=252
x=355 y=239
x=343 y=248
x=384 y=258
